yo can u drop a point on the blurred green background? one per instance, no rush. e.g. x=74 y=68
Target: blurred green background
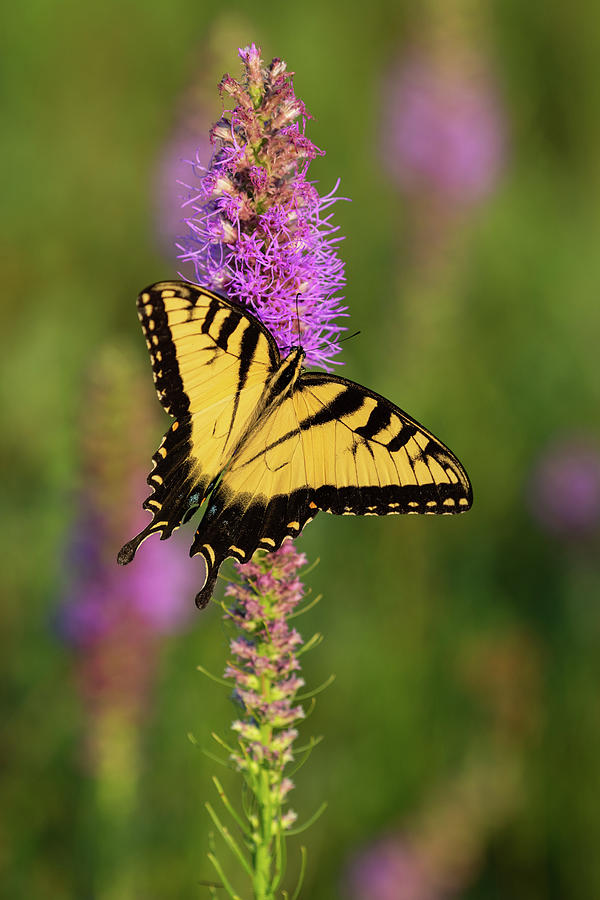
x=462 y=731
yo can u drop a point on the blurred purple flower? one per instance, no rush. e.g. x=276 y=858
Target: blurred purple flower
x=258 y=230
x=564 y=492
x=444 y=129
x=389 y=870
x=114 y=618
x=153 y=592
x=185 y=148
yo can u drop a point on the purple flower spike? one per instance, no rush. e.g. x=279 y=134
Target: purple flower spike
x=390 y=870
x=258 y=230
x=264 y=666
x=565 y=488
x=444 y=130
x=115 y=620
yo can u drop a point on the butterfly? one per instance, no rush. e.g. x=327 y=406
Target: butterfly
x=260 y=444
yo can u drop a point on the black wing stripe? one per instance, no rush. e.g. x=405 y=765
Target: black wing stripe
x=402 y=438
x=247 y=353
x=213 y=309
x=346 y=402
x=379 y=419
x=229 y=325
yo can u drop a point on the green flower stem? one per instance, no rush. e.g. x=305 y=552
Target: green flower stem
x=116 y=777
x=262 y=854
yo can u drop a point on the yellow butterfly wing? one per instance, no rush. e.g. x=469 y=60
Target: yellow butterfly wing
x=365 y=456
x=211 y=361
x=331 y=445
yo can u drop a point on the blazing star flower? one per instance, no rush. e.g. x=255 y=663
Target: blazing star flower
x=444 y=131
x=258 y=229
x=438 y=855
x=390 y=870
x=113 y=619
x=264 y=666
x=564 y=493
x=99 y=597
x=188 y=143
x=260 y=232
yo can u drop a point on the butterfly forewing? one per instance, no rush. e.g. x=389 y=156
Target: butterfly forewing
x=384 y=461
x=210 y=362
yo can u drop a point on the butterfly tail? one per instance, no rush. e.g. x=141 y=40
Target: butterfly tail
x=213 y=552
x=128 y=550
x=203 y=596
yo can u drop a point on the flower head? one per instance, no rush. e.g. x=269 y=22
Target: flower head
x=258 y=229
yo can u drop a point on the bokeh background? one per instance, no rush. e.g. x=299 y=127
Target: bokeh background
x=462 y=734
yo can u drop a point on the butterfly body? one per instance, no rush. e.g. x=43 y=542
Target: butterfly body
x=261 y=445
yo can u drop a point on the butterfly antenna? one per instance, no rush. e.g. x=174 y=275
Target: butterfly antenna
x=298 y=317
x=349 y=337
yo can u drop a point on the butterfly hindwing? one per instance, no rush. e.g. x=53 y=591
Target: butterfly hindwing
x=261 y=499
x=211 y=361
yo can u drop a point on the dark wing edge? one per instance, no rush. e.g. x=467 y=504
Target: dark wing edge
x=162 y=349
x=177 y=489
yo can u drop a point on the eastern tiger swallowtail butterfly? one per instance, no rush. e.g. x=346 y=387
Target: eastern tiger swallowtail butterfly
x=261 y=444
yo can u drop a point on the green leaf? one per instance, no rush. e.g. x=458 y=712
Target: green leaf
x=296 y=893
x=314 y=641
x=309 y=822
x=214 y=678
x=225 y=801
x=302 y=610
x=329 y=681
x=229 y=840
